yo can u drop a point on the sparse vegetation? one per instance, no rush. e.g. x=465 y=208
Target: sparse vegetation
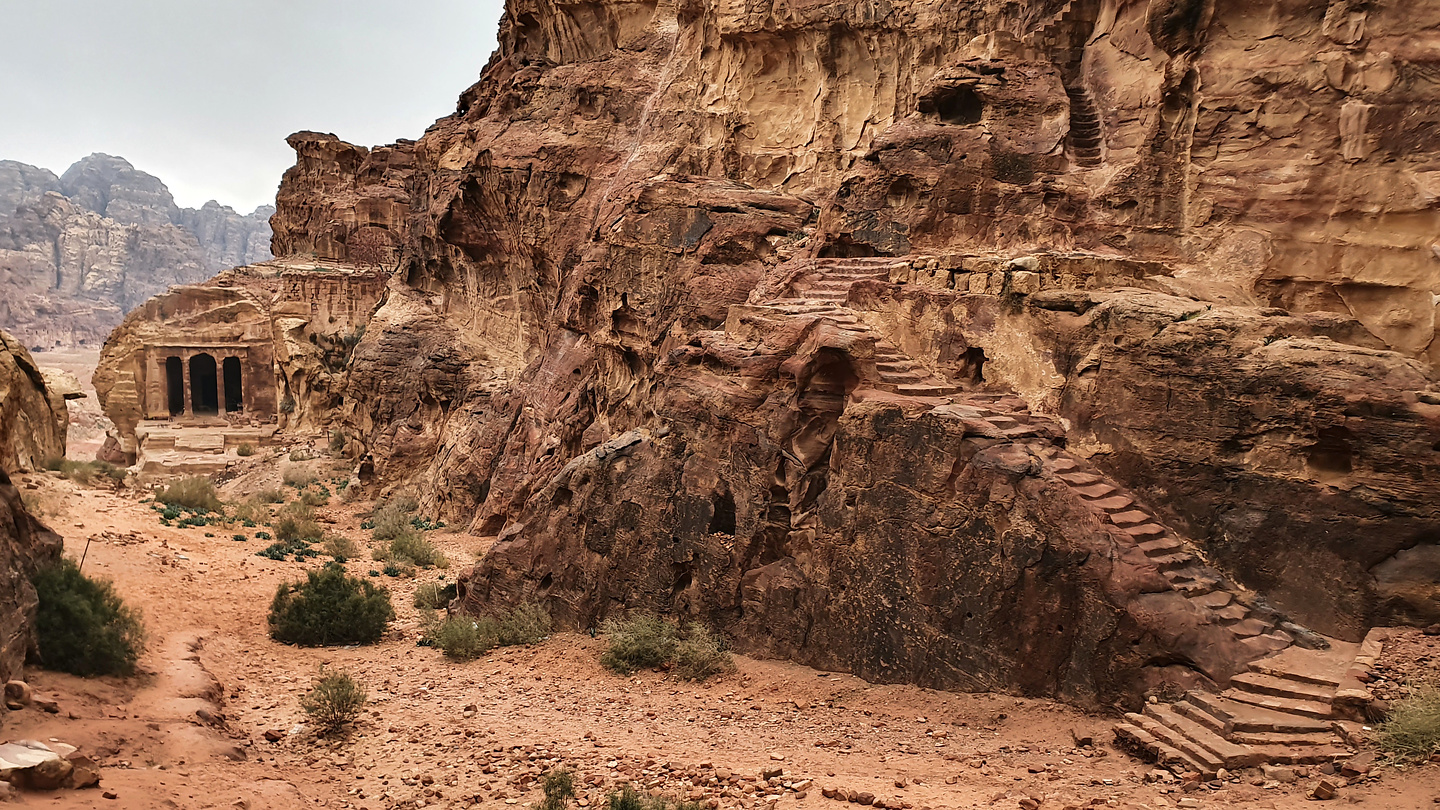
x=297 y=477
x=252 y=511
x=329 y=608
x=84 y=472
x=315 y=496
x=245 y=450
x=337 y=442
x=411 y=546
x=434 y=595
x=391 y=519
x=340 y=547
x=83 y=626
x=628 y=798
x=334 y=701
x=645 y=641
x=270 y=495
x=296 y=521
x=559 y=786
x=196 y=494
x=465 y=638
x=1413 y=730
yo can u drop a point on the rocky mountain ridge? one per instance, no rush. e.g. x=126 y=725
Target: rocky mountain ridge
x=79 y=250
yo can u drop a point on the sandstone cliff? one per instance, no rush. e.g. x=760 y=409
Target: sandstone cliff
x=966 y=343
x=80 y=250
x=32 y=428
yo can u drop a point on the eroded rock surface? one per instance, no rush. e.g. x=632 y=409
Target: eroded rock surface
x=33 y=417
x=80 y=250
x=794 y=317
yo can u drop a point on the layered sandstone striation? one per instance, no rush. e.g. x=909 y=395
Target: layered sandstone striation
x=1058 y=347
x=33 y=415
x=79 y=251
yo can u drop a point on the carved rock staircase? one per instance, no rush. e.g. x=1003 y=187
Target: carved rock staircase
x=1063 y=38
x=1281 y=711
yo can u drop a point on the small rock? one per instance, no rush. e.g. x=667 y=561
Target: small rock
x=866 y=799
x=1188 y=801
x=84 y=772
x=49 y=774
x=110 y=794
x=1279 y=773
x=1358 y=765
x=274 y=735
x=1029 y=803
x=1323 y=791
x=8 y=793
x=17 y=694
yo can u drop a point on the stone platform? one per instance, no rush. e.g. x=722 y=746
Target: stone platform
x=196 y=446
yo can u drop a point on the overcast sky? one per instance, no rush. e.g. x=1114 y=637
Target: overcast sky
x=201 y=93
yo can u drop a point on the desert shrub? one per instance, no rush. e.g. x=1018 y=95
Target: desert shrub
x=638 y=643
x=39 y=504
x=334 y=701
x=287 y=405
x=399 y=569
x=296 y=524
x=349 y=494
x=196 y=494
x=391 y=519
x=559 y=786
x=328 y=608
x=84 y=472
x=337 y=442
x=245 y=450
x=411 y=546
x=1413 y=730
x=434 y=595
x=526 y=624
x=252 y=510
x=83 y=626
x=628 y=798
x=461 y=638
x=297 y=477
x=239 y=538
x=270 y=495
x=340 y=547
x=701 y=654
x=315 y=497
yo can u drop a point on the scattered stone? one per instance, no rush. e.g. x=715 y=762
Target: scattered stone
x=1279 y=773
x=1323 y=791
x=84 y=772
x=1358 y=765
x=17 y=694
x=274 y=735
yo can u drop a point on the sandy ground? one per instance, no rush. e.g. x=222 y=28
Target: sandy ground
x=87 y=423
x=441 y=734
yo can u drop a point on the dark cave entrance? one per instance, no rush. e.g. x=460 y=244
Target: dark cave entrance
x=959 y=105
x=204 y=393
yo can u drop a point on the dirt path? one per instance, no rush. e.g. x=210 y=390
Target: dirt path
x=192 y=732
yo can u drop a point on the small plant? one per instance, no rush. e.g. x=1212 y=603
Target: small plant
x=340 y=547
x=701 y=654
x=245 y=450
x=287 y=405
x=239 y=538
x=559 y=786
x=412 y=546
x=394 y=569
x=391 y=519
x=639 y=643
x=1413 y=730
x=328 y=608
x=315 y=497
x=461 y=638
x=526 y=624
x=334 y=702
x=337 y=442
x=628 y=798
x=297 y=522
x=195 y=494
x=251 y=511
x=297 y=477
x=262 y=535
x=270 y=495
x=83 y=626
x=84 y=472
x=434 y=596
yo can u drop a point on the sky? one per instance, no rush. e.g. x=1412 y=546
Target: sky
x=202 y=93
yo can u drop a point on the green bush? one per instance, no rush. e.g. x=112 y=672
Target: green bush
x=1413 y=730
x=270 y=495
x=391 y=519
x=252 y=510
x=461 y=638
x=245 y=450
x=334 y=702
x=337 y=442
x=84 y=472
x=196 y=494
x=642 y=642
x=434 y=596
x=82 y=625
x=315 y=497
x=559 y=786
x=329 y=608
x=526 y=624
x=701 y=654
x=628 y=798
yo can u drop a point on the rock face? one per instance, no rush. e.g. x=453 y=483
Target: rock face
x=33 y=417
x=32 y=427
x=80 y=250
x=1062 y=347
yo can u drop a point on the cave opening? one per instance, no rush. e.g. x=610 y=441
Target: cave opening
x=1332 y=452
x=960 y=106
x=972 y=365
x=722 y=513
x=234 y=389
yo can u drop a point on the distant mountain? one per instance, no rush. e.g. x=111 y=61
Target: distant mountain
x=79 y=251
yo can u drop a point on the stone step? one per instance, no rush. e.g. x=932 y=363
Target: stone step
x=1136 y=738
x=913 y=377
x=928 y=390
x=1251 y=627
x=1133 y=517
x=1282 y=740
x=1161 y=547
x=1079 y=478
x=1115 y=503
x=1231 y=613
x=1193 y=751
x=1251 y=719
x=1303 y=708
x=1306 y=668
x=1193 y=586
x=1228 y=754
x=1213 y=601
x=1267 y=643
x=1095 y=491
x=1173 y=562
x=1263 y=684
x=1148 y=532
x=895 y=365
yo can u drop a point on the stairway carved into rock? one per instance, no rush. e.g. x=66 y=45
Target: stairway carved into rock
x=1281 y=711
